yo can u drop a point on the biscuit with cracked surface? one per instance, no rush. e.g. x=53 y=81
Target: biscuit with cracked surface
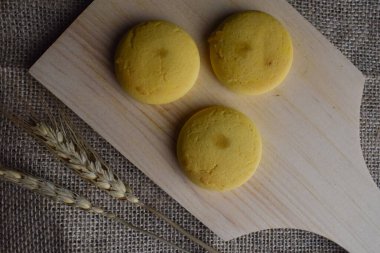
x=219 y=148
x=251 y=52
x=157 y=62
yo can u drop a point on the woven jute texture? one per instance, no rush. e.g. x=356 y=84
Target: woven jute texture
x=30 y=223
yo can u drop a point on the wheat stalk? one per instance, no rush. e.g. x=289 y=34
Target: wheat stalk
x=67 y=197
x=63 y=141
x=83 y=161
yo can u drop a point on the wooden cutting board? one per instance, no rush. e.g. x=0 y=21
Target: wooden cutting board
x=312 y=175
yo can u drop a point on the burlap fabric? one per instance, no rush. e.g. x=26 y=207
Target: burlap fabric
x=30 y=223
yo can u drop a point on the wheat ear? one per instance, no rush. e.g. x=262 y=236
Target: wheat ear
x=63 y=141
x=67 y=197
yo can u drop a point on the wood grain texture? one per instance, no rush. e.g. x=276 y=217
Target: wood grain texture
x=312 y=175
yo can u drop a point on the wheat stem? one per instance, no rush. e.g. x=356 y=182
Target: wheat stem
x=67 y=197
x=98 y=172
x=178 y=227
x=64 y=142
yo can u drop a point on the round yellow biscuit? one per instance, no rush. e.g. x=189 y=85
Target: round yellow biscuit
x=157 y=62
x=251 y=52
x=219 y=148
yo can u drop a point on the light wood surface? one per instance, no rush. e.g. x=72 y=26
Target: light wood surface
x=312 y=175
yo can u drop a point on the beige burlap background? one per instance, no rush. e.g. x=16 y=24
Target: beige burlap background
x=30 y=223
